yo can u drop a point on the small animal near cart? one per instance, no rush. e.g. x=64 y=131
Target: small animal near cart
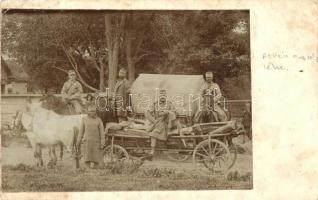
x=209 y=144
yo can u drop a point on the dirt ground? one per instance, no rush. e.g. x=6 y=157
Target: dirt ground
x=20 y=174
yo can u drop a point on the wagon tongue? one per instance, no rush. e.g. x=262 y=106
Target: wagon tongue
x=228 y=127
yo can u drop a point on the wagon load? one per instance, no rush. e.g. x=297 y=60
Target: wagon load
x=141 y=127
x=215 y=128
x=181 y=90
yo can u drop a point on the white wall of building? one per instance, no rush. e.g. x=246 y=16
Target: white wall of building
x=11 y=103
x=16 y=88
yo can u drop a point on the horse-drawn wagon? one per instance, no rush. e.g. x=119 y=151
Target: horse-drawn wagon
x=209 y=144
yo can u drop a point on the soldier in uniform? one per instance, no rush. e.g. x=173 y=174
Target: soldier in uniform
x=72 y=91
x=121 y=95
x=162 y=115
x=212 y=89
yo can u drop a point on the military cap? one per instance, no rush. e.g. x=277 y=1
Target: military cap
x=123 y=71
x=209 y=74
x=71 y=72
x=91 y=108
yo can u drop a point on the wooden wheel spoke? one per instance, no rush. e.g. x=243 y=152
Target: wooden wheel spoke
x=118 y=153
x=219 y=164
x=207 y=153
x=114 y=154
x=213 y=164
x=209 y=144
x=202 y=154
x=219 y=151
x=205 y=159
x=217 y=156
x=221 y=158
x=214 y=148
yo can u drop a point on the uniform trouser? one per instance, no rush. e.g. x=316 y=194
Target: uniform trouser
x=220 y=113
x=120 y=111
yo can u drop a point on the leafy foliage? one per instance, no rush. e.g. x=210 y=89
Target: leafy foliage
x=96 y=44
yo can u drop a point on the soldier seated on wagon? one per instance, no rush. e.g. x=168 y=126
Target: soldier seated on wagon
x=211 y=95
x=163 y=116
x=72 y=91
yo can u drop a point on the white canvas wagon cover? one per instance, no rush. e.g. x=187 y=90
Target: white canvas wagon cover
x=182 y=90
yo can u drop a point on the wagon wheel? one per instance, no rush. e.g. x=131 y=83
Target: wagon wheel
x=233 y=151
x=214 y=154
x=176 y=154
x=115 y=153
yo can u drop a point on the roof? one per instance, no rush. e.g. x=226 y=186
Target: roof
x=180 y=90
x=12 y=71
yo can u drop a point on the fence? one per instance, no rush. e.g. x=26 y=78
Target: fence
x=10 y=103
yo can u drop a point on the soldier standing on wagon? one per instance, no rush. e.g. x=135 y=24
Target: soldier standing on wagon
x=211 y=88
x=121 y=95
x=72 y=91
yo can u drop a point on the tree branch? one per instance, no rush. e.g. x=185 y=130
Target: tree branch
x=136 y=60
x=141 y=36
x=108 y=33
x=96 y=65
x=70 y=59
x=83 y=81
x=63 y=70
x=74 y=66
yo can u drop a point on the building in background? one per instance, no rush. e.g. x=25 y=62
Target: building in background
x=14 y=79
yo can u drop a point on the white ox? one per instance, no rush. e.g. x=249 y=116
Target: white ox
x=45 y=128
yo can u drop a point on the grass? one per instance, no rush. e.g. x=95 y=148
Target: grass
x=24 y=178
x=157 y=175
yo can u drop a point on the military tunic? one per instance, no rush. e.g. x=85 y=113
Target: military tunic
x=213 y=89
x=121 y=97
x=72 y=91
x=162 y=123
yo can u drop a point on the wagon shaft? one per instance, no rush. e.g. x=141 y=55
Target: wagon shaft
x=214 y=128
x=230 y=126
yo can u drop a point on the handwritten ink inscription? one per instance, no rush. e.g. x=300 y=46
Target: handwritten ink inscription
x=272 y=66
x=274 y=60
x=281 y=56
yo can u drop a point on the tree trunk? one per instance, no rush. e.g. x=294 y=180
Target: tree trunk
x=101 y=76
x=112 y=66
x=108 y=35
x=134 y=38
x=130 y=60
x=113 y=38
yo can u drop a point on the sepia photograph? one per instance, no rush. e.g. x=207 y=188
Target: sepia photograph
x=125 y=100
